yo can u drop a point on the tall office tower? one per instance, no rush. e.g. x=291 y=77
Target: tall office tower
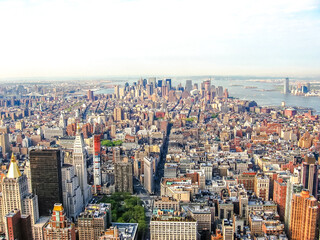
x=80 y=164
x=90 y=95
x=149 y=89
x=96 y=163
x=27 y=172
x=219 y=91
x=261 y=186
x=46 y=178
x=160 y=83
x=118 y=114
x=18 y=226
x=188 y=87
x=94 y=220
x=309 y=177
x=164 y=90
x=207 y=85
x=14 y=189
x=59 y=227
x=148 y=174
x=71 y=192
x=304 y=216
x=182 y=228
x=286 y=86
x=4 y=143
x=116 y=91
x=293 y=187
x=123 y=177
x=168 y=83
x=153 y=81
x=308 y=87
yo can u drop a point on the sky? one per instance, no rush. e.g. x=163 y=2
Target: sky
x=68 y=38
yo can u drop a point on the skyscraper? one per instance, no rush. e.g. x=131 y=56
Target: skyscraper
x=153 y=81
x=149 y=89
x=286 y=86
x=188 y=87
x=96 y=163
x=123 y=177
x=168 y=82
x=293 y=187
x=4 y=143
x=310 y=177
x=59 y=227
x=118 y=114
x=71 y=191
x=304 y=216
x=80 y=164
x=90 y=95
x=148 y=174
x=46 y=178
x=14 y=189
x=62 y=121
x=15 y=194
x=116 y=91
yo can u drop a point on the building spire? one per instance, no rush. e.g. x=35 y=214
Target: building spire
x=78 y=128
x=13 y=171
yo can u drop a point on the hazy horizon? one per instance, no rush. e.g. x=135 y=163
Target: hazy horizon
x=85 y=39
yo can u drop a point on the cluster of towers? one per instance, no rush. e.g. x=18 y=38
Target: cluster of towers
x=45 y=182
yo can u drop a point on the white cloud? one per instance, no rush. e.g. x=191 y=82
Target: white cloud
x=98 y=37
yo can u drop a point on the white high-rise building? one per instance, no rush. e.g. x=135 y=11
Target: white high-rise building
x=286 y=86
x=80 y=164
x=148 y=174
x=62 y=121
x=27 y=172
x=71 y=192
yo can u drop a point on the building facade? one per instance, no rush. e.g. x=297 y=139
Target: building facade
x=46 y=178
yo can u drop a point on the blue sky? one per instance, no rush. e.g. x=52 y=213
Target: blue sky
x=168 y=37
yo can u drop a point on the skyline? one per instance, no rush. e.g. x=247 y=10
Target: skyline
x=168 y=38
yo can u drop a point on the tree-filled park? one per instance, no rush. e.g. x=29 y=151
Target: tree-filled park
x=127 y=209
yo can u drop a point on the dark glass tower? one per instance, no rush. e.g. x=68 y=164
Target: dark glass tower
x=46 y=178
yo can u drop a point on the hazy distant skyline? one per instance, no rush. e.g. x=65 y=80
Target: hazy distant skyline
x=68 y=38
